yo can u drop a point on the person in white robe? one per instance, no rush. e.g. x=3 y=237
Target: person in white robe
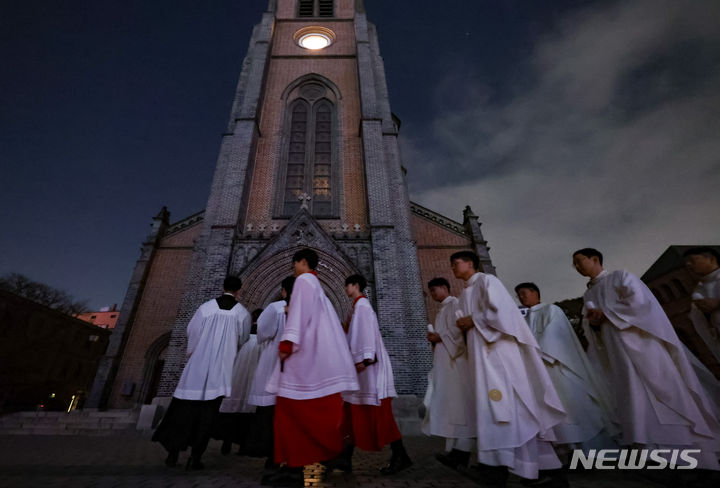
x=270 y=327
x=315 y=367
x=586 y=397
x=236 y=413
x=214 y=334
x=370 y=422
x=516 y=405
x=660 y=400
x=449 y=402
x=705 y=305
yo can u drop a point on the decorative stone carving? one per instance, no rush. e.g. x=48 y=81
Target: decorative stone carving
x=304 y=200
x=312 y=91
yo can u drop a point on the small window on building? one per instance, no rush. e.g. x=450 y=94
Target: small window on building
x=667 y=291
x=113 y=316
x=679 y=287
x=93 y=316
x=325 y=8
x=306 y=8
x=316 y=8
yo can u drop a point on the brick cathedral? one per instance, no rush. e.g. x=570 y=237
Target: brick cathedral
x=310 y=158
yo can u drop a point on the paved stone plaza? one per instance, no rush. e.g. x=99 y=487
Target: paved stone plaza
x=134 y=461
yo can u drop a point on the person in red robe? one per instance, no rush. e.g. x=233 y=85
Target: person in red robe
x=370 y=424
x=315 y=367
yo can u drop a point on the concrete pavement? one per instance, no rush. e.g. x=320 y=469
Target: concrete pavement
x=133 y=461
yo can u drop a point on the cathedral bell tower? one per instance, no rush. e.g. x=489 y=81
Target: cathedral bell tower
x=310 y=158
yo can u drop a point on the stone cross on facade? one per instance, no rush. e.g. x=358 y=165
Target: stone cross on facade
x=304 y=199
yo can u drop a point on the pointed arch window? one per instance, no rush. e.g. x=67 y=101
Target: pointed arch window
x=297 y=154
x=321 y=194
x=316 y=8
x=308 y=169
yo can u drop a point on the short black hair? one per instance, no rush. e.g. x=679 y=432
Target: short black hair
x=703 y=250
x=308 y=255
x=467 y=256
x=232 y=283
x=530 y=286
x=589 y=252
x=439 y=282
x=356 y=279
x=287 y=285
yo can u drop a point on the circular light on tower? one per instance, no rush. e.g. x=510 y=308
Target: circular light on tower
x=314 y=37
x=314 y=41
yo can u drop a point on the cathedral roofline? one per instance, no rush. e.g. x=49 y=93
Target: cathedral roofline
x=184 y=223
x=439 y=219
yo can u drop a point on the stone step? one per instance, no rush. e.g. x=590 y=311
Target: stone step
x=74 y=423
x=75 y=414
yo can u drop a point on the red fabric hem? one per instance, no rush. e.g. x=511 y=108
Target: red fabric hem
x=373 y=427
x=308 y=431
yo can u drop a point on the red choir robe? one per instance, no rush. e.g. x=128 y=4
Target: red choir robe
x=308 y=410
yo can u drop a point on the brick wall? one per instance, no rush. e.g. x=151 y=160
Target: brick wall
x=156 y=311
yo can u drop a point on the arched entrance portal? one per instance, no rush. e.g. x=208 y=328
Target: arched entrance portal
x=261 y=283
x=154 y=362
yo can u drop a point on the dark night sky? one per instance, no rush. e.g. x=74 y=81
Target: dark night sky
x=564 y=124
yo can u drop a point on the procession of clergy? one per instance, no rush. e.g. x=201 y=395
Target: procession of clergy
x=520 y=392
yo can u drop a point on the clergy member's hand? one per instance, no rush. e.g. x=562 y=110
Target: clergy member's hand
x=595 y=317
x=707 y=305
x=465 y=323
x=283 y=355
x=433 y=337
x=360 y=367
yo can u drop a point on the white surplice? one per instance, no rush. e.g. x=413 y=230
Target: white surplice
x=516 y=403
x=320 y=364
x=585 y=396
x=376 y=380
x=270 y=326
x=450 y=408
x=243 y=373
x=660 y=400
x=213 y=337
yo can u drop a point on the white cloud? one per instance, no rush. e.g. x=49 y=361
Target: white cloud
x=570 y=163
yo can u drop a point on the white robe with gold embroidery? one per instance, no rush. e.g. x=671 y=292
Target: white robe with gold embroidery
x=450 y=407
x=516 y=404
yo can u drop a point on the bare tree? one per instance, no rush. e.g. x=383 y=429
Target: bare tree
x=47 y=295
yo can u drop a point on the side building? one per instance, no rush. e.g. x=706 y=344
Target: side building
x=672 y=284
x=47 y=359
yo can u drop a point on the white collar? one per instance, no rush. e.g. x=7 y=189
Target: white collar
x=447 y=300
x=715 y=275
x=472 y=280
x=600 y=276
